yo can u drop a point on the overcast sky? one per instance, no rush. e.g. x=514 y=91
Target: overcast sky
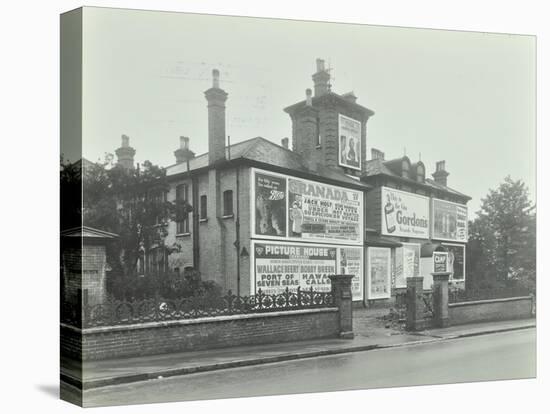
x=467 y=98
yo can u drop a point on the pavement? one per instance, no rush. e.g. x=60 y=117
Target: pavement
x=372 y=331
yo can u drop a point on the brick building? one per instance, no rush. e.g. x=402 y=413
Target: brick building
x=274 y=216
x=408 y=217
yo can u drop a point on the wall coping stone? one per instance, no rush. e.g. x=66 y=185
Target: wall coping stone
x=209 y=319
x=479 y=302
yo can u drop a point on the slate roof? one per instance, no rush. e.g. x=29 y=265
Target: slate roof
x=380 y=167
x=264 y=151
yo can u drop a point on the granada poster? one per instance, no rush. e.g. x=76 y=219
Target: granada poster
x=349 y=143
x=405 y=214
x=270 y=205
x=379 y=286
x=277 y=266
x=321 y=212
x=450 y=221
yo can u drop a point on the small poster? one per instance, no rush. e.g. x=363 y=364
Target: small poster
x=351 y=263
x=407 y=263
x=270 y=203
x=456 y=261
x=349 y=144
x=379 y=272
x=440 y=262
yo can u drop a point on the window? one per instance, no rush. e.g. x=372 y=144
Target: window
x=203 y=207
x=318 y=134
x=405 y=168
x=228 y=203
x=182 y=213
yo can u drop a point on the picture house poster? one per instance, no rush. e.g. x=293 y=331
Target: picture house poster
x=405 y=214
x=349 y=143
x=289 y=208
x=277 y=266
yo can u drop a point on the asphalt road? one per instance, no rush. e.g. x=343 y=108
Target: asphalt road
x=510 y=355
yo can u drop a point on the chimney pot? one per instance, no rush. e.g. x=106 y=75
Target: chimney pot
x=125 y=141
x=308 y=97
x=320 y=65
x=215 y=78
x=284 y=142
x=184 y=143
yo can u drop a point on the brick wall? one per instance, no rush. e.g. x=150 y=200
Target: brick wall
x=490 y=310
x=200 y=334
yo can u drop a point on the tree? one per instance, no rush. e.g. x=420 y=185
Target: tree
x=502 y=242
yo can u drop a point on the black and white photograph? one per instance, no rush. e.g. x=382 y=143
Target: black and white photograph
x=308 y=208
x=227 y=205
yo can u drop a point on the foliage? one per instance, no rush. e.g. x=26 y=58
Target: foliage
x=169 y=285
x=502 y=242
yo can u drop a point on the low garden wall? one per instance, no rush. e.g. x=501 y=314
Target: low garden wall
x=152 y=338
x=490 y=310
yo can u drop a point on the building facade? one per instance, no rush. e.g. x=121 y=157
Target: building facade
x=409 y=217
x=271 y=217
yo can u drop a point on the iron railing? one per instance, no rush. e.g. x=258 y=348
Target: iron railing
x=468 y=295
x=121 y=312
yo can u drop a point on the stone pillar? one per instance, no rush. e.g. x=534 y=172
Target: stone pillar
x=341 y=292
x=441 y=299
x=415 y=305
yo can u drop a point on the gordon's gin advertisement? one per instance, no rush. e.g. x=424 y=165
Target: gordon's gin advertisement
x=405 y=214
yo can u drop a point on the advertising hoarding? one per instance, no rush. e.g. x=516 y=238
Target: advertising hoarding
x=276 y=266
x=449 y=221
x=407 y=263
x=287 y=208
x=405 y=214
x=379 y=273
x=349 y=142
x=456 y=261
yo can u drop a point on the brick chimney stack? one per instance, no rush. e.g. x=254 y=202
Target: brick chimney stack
x=321 y=79
x=440 y=175
x=306 y=132
x=183 y=153
x=125 y=153
x=216 y=98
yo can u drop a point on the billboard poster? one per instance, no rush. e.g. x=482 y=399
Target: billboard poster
x=277 y=266
x=407 y=263
x=351 y=263
x=404 y=214
x=449 y=221
x=285 y=207
x=379 y=273
x=349 y=143
x=270 y=204
x=456 y=260
x=321 y=212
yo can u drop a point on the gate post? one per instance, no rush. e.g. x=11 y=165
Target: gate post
x=415 y=305
x=441 y=299
x=341 y=292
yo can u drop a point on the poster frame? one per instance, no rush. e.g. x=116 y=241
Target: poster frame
x=432 y=220
x=287 y=238
x=417 y=246
x=360 y=296
x=463 y=245
x=360 y=143
x=412 y=236
x=368 y=293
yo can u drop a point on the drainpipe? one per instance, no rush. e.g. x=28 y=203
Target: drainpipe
x=237 y=232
